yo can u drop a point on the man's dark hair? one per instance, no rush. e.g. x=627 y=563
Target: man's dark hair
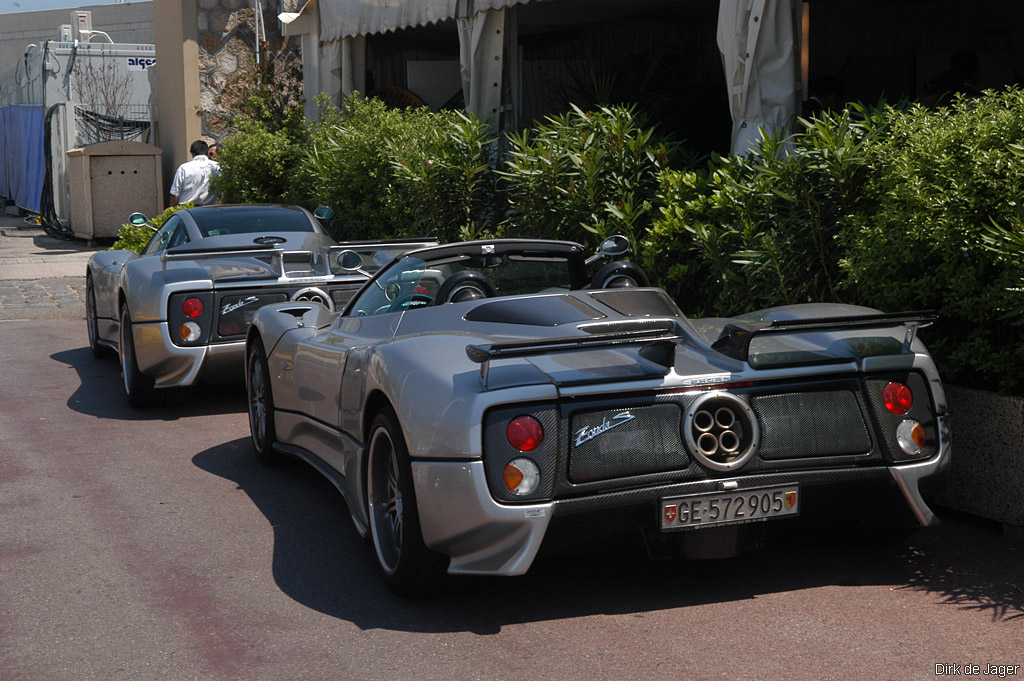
x=199 y=148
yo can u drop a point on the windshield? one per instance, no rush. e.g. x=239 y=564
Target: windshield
x=413 y=282
x=212 y=221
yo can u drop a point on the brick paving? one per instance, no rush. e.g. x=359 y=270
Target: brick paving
x=40 y=277
x=57 y=298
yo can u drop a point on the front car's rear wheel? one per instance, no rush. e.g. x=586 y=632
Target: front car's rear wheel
x=138 y=387
x=408 y=566
x=98 y=349
x=261 y=403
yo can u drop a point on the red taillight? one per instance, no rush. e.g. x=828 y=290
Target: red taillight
x=192 y=307
x=898 y=398
x=524 y=433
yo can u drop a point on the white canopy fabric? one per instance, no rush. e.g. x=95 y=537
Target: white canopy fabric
x=758 y=45
x=481 y=46
x=335 y=67
x=344 y=18
x=338 y=30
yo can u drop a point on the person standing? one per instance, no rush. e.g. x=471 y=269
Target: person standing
x=192 y=179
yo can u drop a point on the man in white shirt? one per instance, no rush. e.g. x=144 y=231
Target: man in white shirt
x=192 y=179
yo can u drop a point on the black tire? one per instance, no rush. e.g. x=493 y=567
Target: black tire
x=409 y=568
x=261 y=404
x=99 y=350
x=137 y=386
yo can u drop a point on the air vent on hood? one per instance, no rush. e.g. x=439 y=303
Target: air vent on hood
x=299 y=264
x=534 y=311
x=638 y=302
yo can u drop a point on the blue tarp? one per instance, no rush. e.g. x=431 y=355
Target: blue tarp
x=22 y=164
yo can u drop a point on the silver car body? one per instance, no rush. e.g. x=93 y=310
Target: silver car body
x=233 y=258
x=578 y=358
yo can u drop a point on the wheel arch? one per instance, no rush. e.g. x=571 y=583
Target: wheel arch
x=376 y=402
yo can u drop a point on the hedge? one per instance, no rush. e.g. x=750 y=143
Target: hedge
x=895 y=207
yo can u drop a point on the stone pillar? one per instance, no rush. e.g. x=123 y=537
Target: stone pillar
x=177 y=73
x=202 y=45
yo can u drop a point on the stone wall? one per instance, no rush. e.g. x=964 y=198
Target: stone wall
x=228 y=49
x=986 y=477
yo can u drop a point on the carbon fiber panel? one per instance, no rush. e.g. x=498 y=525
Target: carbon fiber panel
x=236 y=310
x=342 y=294
x=620 y=443
x=811 y=424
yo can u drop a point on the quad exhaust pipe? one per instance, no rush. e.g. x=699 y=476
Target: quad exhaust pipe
x=721 y=431
x=708 y=443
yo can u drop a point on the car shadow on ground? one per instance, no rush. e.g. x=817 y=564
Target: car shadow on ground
x=101 y=394
x=321 y=562
x=969 y=564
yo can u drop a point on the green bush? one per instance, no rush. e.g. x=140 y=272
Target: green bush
x=347 y=164
x=759 y=231
x=1007 y=242
x=583 y=176
x=135 y=237
x=256 y=164
x=898 y=208
x=399 y=172
x=936 y=183
x=443 y=177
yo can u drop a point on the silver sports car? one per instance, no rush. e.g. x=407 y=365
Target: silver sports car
x=177 y=314
x=477 y=402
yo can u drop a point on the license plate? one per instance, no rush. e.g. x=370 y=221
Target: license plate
x=729 y=508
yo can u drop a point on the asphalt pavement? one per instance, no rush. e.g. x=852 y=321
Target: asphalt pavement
x=41 y=277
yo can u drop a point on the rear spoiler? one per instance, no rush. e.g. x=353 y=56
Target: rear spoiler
x=277 y=253
x=735 y=339
x=197 y=253
x=662 y=340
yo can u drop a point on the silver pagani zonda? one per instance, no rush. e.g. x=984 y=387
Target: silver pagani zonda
x=478 y=402
x=177 y=314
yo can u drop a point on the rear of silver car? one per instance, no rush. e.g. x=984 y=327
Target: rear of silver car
x=200 y=333
x=695 y=466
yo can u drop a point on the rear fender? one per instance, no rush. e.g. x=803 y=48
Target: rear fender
x=273 y=321
x=104 y=270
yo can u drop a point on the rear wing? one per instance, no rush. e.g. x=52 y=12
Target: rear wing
x=319 y=259
x=735 y=339
x=661 y=341
x=276 y=255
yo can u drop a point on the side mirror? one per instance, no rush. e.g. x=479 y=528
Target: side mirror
x=349 y=261
x=323 y=213
x=615 y=245
x=138 y=219
x=612 y=246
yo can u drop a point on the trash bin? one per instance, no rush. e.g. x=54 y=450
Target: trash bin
x=108 y=182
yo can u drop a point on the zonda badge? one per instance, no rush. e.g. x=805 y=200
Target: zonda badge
x=231 y=307
x=587 y=434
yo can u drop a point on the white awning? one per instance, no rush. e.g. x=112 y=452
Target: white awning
x=345 y=18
